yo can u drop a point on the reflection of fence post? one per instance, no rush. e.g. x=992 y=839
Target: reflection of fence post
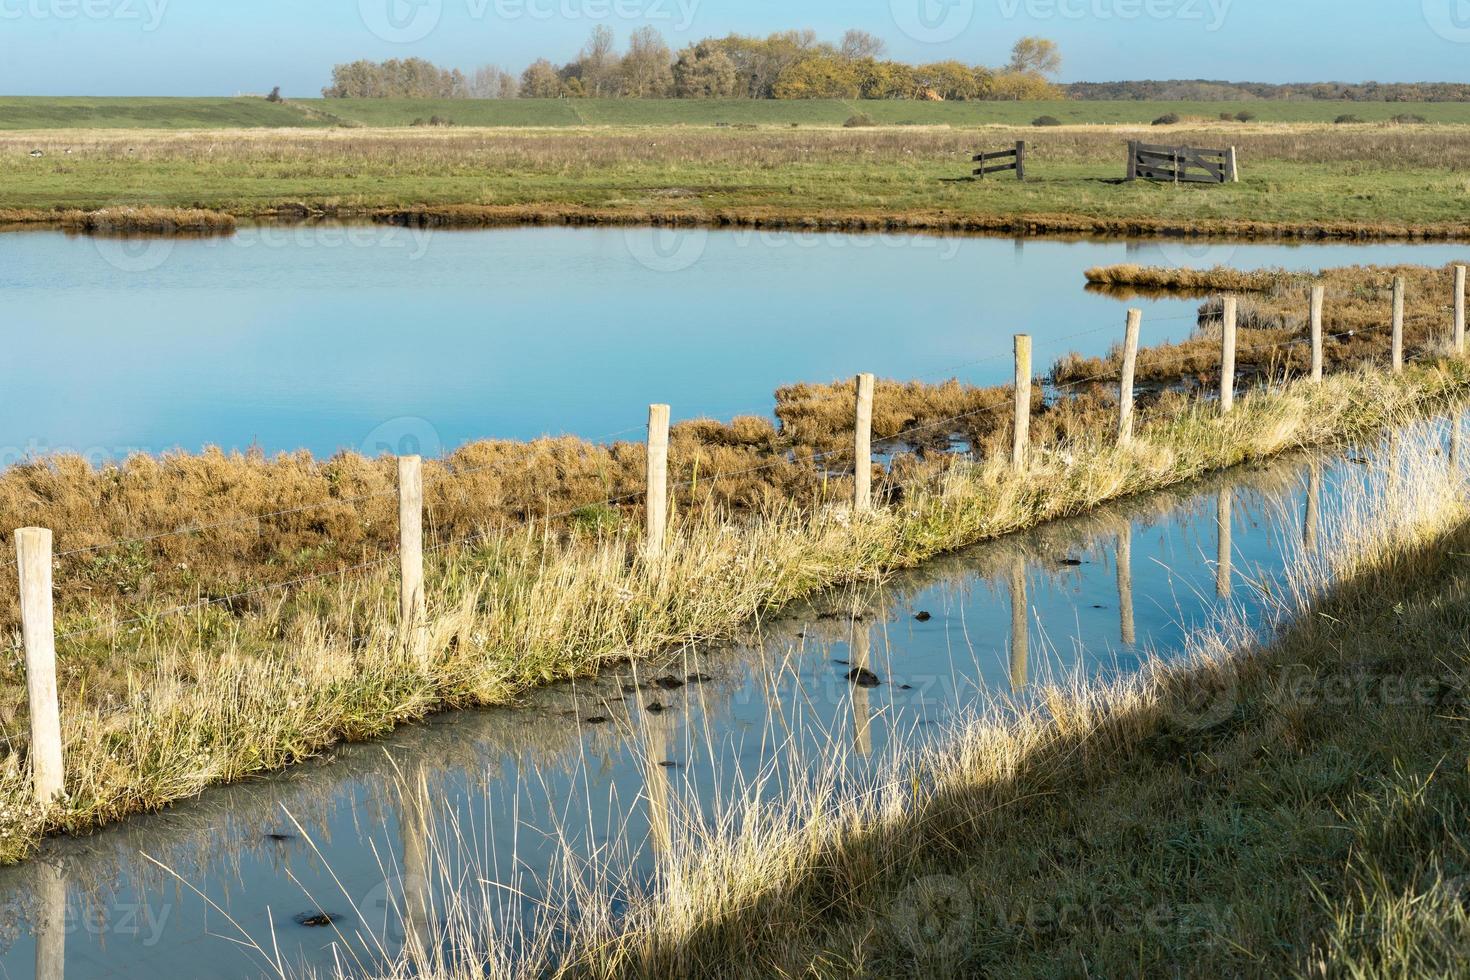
x=1020 y=633
x=1125 y=585
x=1398 y=323
x=1314 y=506
x=659 y=826
x=1227 y=354
x=411 y=551
x=1459 y=329
x=1130 y=369
x=50 y=922
x=658 y=478
x=38 y=631
x=414 y=829
x=1455 y=449
x=1023 y=403
x=863 y=455
x=862 y=656
x=1224 y=505
x=1319 y=294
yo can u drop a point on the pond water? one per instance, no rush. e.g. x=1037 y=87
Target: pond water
x=577 y=771
x=390 y=339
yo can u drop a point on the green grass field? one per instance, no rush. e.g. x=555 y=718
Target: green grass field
x=22 y=113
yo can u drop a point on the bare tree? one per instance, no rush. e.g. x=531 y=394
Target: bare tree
x=858 y=45
x=597 y=64
x=490 y=82
x=648 y=66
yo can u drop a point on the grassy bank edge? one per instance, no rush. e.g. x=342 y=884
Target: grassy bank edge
x=519 y=612
x=193 y=221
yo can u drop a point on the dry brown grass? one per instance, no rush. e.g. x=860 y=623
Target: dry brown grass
x=1274 y=329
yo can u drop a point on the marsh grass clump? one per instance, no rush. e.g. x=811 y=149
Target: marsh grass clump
x=1274 y=331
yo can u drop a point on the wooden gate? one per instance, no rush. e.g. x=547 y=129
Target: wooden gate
x=1181 y=164
x=989 y=165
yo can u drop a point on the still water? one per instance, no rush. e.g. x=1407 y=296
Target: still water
x=392 y=339
x=579 y=769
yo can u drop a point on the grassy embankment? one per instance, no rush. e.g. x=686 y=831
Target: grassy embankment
x=1300 y=180
x=158 y=706
x=40 y=113
x=1288 y=805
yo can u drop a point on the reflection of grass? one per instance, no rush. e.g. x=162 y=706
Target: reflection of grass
x=1292 y=808
x=215 y=695
x=1385 y=180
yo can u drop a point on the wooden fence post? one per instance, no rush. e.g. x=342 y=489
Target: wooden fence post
x=1227 y=354
x=1319 y=294
x=411 y=548
x=1133 y=159
x=1232 y=171
x=1130 y=373
x=1020 y=159
x=38 y=630
x=1459 y=331
x=658 y=478
x=1022 y=439
x=863 y=445
x=1398 y=323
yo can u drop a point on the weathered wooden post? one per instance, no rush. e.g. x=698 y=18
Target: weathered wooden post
x=862 y=713
x=863 y=449
x=1020 y=159
x=1020 y=625
x=411 y=550
x=1224 y=531
x=658 y=478
x=1022 y=441
x=1319 y=294
x=1232 y=173
x=1130 y=373
x=1459 y=329
x=1125 y=585
x=38 y=632
x=1133 y=159
x=1398 y=324
x=1227 y=354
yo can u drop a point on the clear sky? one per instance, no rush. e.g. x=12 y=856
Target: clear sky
x=222 y=47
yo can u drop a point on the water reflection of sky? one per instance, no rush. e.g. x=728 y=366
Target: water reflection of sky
x=390 y=338
x=516 y=783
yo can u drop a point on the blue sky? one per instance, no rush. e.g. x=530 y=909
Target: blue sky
x=221 y=47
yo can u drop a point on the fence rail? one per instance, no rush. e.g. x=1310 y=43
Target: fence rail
x=35 y=556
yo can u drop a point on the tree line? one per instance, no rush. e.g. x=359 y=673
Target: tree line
x=1202 y=90
x=786 y=65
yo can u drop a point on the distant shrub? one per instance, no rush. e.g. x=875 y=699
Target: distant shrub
x=859 y=120
x=1227 y=117
x=1046 y=121
x=440 y=121
x=1347 y=118
x=275 y=95
x=1167 y=119
x=1409 y=119
x=1245 y=116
